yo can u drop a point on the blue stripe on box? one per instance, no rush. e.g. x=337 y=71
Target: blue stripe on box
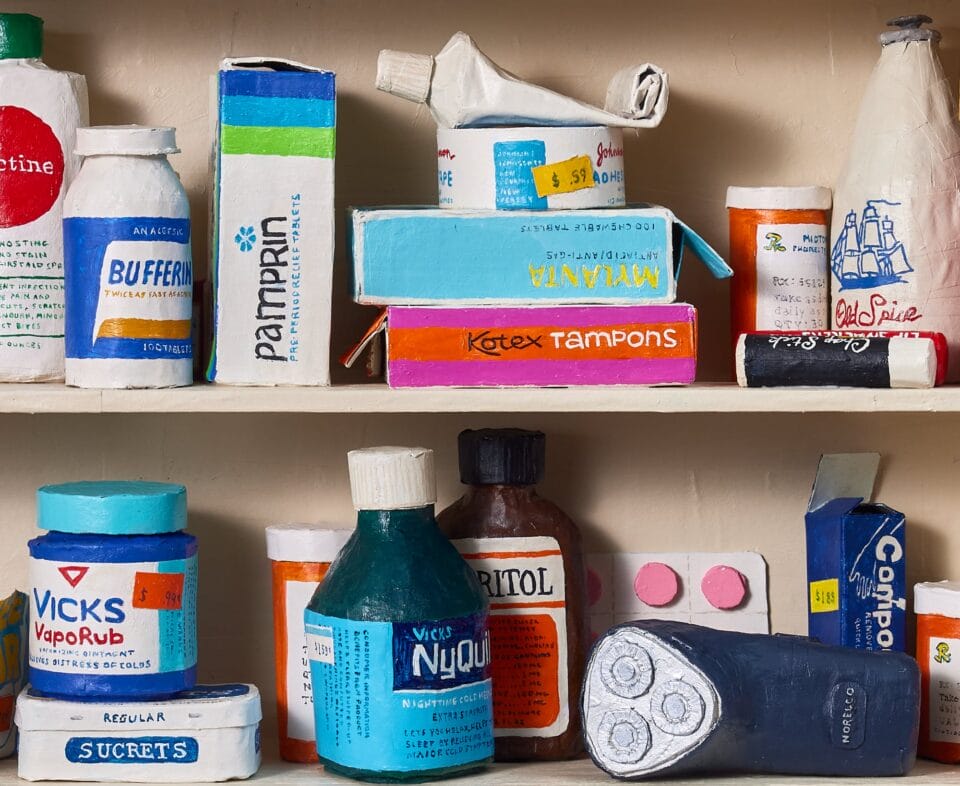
x=100 y=687
x=242 y=110
x=278 y=84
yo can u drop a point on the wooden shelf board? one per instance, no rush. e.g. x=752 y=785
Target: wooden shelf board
x=699 y=398
x=574 y=773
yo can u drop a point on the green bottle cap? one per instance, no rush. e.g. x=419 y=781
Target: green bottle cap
x=21 y=36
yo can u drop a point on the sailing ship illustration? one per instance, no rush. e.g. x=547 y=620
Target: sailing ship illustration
x=869 y=254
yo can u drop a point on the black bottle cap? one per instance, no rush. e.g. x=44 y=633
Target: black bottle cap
x=501 y=456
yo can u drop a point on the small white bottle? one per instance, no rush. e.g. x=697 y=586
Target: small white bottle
x=128 y=266
x=40 y=110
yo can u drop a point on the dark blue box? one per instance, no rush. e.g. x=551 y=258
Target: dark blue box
x=856 y=559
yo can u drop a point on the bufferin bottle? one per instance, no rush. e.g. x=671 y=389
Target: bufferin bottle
x=527 y=554
x=397 y=635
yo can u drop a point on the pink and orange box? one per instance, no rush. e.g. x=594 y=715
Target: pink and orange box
x=535 y=346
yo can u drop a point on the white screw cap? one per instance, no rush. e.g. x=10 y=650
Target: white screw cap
x=405 y=74
x=392 y=478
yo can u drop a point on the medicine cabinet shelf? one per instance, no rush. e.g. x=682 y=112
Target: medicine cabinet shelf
x=377 y=398
x=573 y=773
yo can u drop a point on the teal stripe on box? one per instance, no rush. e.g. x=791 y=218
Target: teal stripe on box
x=280 y=112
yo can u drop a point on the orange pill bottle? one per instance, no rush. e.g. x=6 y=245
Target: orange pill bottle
x=779 y=255
x=937 y=606
x=300 y=555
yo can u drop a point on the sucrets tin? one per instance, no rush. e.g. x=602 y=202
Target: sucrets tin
x=113 y=591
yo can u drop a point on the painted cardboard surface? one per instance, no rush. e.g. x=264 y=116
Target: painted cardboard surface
x=40 y=110
x=494 y=168
x=856 y=559
x=666 y=698
x=792 y=360
x=113 y=616
x=273 y=223
x=561 y=346
x=14 y=615
x=432 y=256
x=211 y=733
x=614 y=596
x=896 y=215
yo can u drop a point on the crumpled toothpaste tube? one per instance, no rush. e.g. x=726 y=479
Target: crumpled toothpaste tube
x=530 y=168
x=465 y=88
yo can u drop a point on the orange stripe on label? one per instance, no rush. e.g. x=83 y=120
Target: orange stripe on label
x=512 y=554
x=546 y=604
x=544 y=342
x=161 y=591
x=128 y=327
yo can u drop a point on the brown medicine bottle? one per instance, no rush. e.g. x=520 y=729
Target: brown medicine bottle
x=528 y=556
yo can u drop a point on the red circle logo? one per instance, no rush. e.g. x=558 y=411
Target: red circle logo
x=31 y=167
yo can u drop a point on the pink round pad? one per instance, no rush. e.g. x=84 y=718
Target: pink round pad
x=656 y=584
x=594 y=587
x=724 y=587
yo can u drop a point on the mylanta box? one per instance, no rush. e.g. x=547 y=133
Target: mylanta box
x=211 y=733
x=856 y=558
x=536 y=346
x=273 y=223
x=442 y=257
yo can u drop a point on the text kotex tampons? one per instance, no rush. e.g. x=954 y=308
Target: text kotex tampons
x=273 y=228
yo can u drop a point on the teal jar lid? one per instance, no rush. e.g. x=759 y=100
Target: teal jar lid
x=21 y=36
x=113 y=507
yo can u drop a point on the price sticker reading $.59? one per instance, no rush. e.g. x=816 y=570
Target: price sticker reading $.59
x=563 y=177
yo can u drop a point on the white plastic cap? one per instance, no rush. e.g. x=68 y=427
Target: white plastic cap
x=305 y=542
x=405 y=74
x=126 y=141
x=780 y=198
x=392 y=478
x=937 y=597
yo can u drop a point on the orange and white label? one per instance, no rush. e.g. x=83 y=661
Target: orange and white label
x=526 y=586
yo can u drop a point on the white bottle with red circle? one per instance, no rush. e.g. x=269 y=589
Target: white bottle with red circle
x=40 y=110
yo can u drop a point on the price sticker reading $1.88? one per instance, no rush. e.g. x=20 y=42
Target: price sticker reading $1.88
x=161 y=591
x=563 y=177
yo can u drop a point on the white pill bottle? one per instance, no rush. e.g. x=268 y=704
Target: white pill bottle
x=127 y=264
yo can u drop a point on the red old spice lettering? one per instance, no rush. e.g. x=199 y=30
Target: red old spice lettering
x=875 y=313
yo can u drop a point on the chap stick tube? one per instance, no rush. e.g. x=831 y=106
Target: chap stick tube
x=766 y=360
x=939 y=341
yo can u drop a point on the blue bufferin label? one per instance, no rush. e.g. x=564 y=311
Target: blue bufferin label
x=129 y=288
x=403 y=696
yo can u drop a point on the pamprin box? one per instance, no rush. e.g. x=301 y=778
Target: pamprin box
x=273 y=223
x=439 y=257
x=211 y=733
x=856 y=558
x=536 y=347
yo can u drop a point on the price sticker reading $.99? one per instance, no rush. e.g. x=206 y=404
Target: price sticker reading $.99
x=563 y=177
x=161 y=591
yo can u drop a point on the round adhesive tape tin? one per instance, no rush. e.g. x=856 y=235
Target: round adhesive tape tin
x=530 y=168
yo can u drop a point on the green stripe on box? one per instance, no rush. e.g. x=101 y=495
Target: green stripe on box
x=260 y=141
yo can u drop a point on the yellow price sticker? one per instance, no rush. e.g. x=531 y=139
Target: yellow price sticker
x=824 y=596
x=563 y=177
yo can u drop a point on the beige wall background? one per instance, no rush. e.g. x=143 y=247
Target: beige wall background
x=762 y=93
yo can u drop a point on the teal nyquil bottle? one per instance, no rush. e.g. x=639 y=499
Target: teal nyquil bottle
x=397 y=635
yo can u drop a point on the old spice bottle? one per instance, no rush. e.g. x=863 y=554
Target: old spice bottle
x=896 y=208
x=528 y=557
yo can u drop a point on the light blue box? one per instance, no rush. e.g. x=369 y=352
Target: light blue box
x=434 y=256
